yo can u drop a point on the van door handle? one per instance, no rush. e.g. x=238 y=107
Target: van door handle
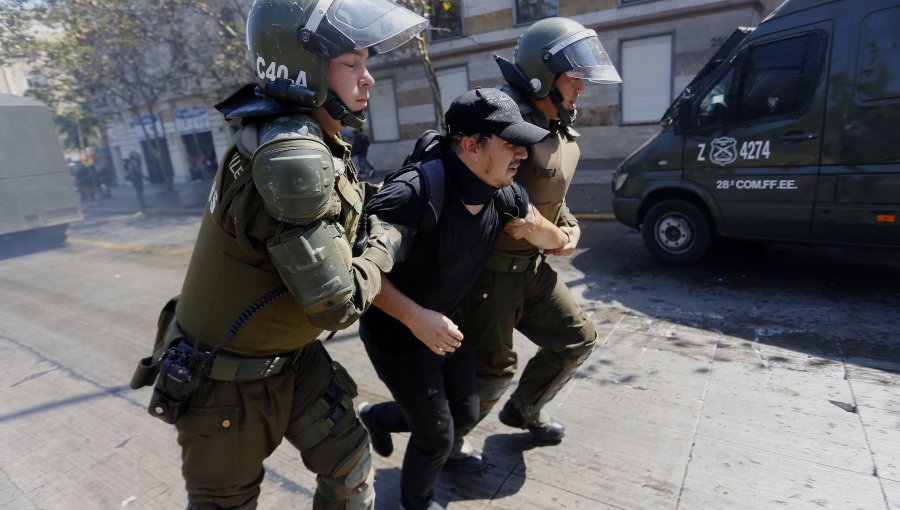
x=797 y=136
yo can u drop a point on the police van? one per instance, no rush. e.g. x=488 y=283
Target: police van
x=791 y=132
x=37 y=191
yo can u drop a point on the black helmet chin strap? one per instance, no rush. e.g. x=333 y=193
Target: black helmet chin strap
x=339 y=111
x=566 y=116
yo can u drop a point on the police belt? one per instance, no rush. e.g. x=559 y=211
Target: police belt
x=504 y=264
x=229 y=367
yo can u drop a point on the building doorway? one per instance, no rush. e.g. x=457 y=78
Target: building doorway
x=155 y=167
x=201 y=155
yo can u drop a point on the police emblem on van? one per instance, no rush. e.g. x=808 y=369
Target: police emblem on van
x=723 y=151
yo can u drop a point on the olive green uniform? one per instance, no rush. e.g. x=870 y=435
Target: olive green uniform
x=519 y=290
x=273 y=379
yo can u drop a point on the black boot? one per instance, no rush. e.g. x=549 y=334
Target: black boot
x=381 y=441
x=551 y=432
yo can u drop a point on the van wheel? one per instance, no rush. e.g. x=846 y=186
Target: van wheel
x=676 y=232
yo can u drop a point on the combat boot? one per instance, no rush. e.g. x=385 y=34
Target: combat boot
x=550 y=432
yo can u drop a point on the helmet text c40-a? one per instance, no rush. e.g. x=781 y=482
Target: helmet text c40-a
x=291 y=42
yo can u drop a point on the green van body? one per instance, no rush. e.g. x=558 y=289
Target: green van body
x=790 y=133
x=37 y=190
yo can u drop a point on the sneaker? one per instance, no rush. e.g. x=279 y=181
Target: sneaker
x=381 y=441
x=551 y=432
x=465 y=459
x=474 y=463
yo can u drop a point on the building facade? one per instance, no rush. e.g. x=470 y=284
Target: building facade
x=656 y=45
x=193 y=138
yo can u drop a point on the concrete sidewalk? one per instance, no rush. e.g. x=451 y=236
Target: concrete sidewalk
x=589 y=195
x=715 y=388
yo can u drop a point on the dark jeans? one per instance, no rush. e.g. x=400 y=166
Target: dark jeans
x=432 y=394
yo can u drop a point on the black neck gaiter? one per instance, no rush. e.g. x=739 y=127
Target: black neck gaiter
x=473 y=191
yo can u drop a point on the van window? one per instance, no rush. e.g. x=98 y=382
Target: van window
x=878 y=75
x=715 y=102
x=779 y=78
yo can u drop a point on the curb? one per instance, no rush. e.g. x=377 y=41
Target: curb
x=595 y=216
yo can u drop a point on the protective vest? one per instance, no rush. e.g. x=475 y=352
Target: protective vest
x=546 y=175
x=230 y=274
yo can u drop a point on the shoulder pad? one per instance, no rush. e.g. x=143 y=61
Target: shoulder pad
x=523 y=104
x=298 y=126
x=293 y=170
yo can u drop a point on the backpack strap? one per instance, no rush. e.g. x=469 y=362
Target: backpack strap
x=433 y=174
x=431 y=186
x=506 y=200
x=424 y=149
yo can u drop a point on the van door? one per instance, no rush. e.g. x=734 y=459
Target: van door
x=756 y=144
x=860 y=189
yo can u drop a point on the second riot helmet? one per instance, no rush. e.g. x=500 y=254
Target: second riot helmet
x=554 y=46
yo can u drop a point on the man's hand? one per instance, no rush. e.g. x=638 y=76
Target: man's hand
x=436 y=331
x=518 y=228
x=574 y=234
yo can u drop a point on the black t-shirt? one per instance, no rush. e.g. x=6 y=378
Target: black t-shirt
x=443 y=263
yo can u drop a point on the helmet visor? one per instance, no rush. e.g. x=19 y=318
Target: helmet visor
x=590 y=62
x=379 y=25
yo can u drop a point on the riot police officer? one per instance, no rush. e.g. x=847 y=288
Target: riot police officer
x=272 y=266
x=519 y=289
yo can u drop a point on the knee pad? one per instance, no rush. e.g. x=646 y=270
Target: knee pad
x=350 y=484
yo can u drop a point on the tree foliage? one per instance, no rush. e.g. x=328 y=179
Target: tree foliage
x=110 y=56
x=426 y=9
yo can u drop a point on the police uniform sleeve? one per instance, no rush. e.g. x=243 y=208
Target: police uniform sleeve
x=566 y=218
x=295 y=175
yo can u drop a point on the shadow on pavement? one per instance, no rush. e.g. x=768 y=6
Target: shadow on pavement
x=17 y=244
x=836 y=303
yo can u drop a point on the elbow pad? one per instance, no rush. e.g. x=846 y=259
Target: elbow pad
x=314 y=263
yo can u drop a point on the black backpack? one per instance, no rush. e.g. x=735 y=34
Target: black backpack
x=425 y=160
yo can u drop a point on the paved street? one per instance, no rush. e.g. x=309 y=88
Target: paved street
x=765 y=378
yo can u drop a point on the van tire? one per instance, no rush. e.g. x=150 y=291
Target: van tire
x=676 y=232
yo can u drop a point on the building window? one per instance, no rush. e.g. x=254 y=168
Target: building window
x=646 y=78
x=453 y=81
x=533 y=10
x=446 y=19
x=383 y=111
